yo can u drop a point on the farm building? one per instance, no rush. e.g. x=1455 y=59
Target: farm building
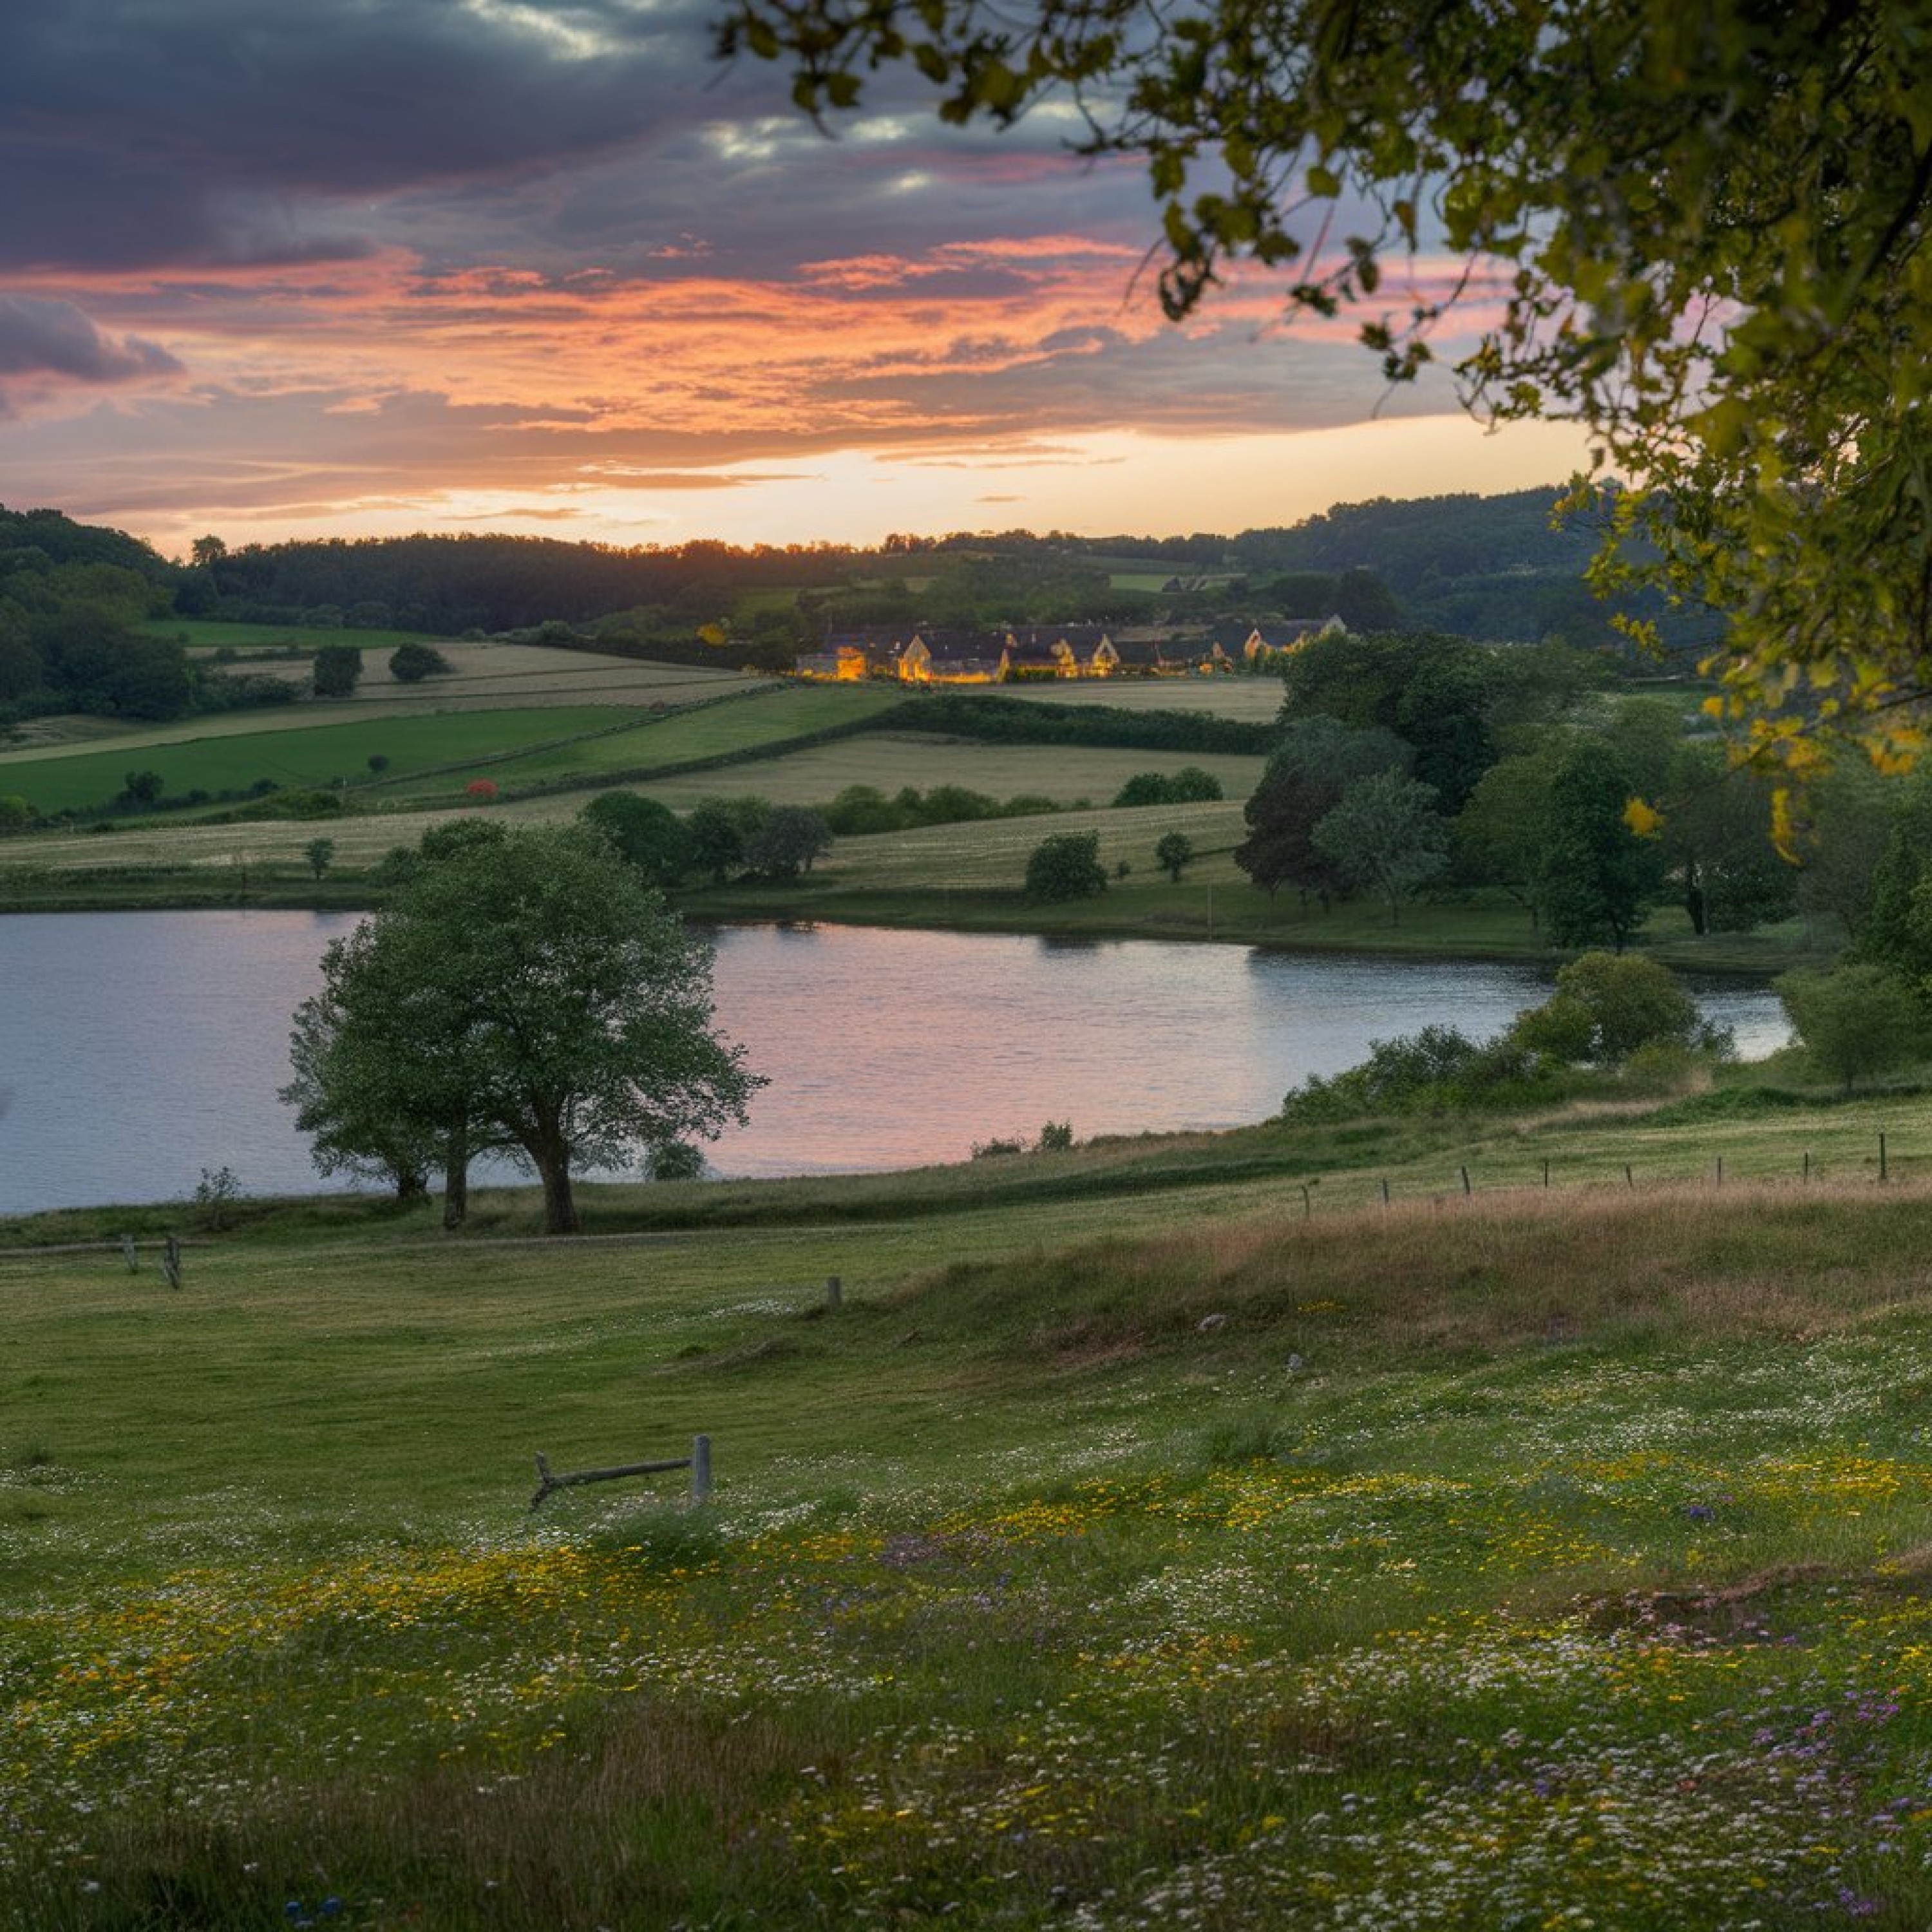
x=929 y=654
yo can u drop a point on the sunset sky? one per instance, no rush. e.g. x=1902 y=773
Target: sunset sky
x=297 y=268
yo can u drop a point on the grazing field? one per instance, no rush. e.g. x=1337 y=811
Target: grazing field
x=890 y=760
x=1252 y=699
x=490 y=677
x=324 y=756
x=432 y=756
x=1142 y=1555
x=523 y=674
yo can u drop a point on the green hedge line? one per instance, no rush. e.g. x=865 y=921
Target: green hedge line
x=1012 y=721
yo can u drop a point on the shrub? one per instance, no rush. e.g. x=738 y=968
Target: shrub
x=1606 y=1006
x=410 y=664
x=1065 y=866
x=338 y=668
x=1189 y=785
x=675 y=1160
x=215 y=1195
x=1437 y=1070
x=1056 y=1137
x=1855 y=1022
x=992 y=1150
x=481 y=790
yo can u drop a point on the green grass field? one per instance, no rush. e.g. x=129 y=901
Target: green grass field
x=319 y=756
x=1253 y=700
x=890 y=761
x=431 y=753
x=1135 y=1546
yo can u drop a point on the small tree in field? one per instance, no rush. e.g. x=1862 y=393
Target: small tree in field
x=1066 y=866
x=410 y=664
x=1174 y=853
x=319 y=853
x=1854 y=1023
x=338 y=669
x=786 y=843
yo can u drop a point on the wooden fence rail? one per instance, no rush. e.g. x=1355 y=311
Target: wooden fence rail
x=698 y=1463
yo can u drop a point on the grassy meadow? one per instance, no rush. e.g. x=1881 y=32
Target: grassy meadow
x=1255 y=699
x=1143 y=1541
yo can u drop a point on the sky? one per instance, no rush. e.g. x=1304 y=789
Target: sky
x=284 y=269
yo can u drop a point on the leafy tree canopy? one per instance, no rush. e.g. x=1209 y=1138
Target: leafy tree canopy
x=1318 y=758
x=1065 y=866
x=647 y=835
x=1856 y=1022
x=411 y=663
x=1699 y=231
x=527 y=991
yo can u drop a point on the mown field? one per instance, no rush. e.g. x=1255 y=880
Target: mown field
x=1135 y=1546
x=891 y=761
x=432 y=756
x=1255 y=699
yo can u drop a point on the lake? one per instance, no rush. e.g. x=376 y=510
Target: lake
x=138 y=1048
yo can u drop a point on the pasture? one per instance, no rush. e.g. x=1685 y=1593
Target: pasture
x=1122 y=1552
x=432 y=755
x=1255 y=700
x=325 y=756
x=890 y=760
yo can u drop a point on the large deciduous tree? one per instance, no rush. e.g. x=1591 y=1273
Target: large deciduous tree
x=1318 y=759
x=1386 y=833
x=529 y=992
x=647 y=835
x=1599 y=875
x=1701 y=232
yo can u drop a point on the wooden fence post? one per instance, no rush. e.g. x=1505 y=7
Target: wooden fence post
x=700 y=1469
x=130 y=1254
x=1385 y=1199
x=1465 y=1182
x=835 y=1291
x=1882 y=1168
x=171 y=1262
x=1307 y=1206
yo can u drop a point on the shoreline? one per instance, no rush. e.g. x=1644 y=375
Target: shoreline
x=1449 y=932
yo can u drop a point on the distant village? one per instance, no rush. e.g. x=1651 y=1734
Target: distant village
x=939 y=655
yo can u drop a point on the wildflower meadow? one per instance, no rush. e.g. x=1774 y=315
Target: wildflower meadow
x=1542 y=1564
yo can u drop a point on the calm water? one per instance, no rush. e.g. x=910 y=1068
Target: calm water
x=137 y=1048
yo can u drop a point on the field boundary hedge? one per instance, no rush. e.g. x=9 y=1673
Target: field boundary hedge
x=1012 y=721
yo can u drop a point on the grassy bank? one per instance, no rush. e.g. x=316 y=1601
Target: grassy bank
x=1142 y=1541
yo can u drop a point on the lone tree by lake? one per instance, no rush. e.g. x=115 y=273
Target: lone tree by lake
x=527 y=992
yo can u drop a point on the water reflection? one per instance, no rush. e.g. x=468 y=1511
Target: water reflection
x=140 y=1048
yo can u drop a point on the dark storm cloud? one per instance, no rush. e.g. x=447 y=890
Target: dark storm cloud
x=54 y=338
x=137 y=136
